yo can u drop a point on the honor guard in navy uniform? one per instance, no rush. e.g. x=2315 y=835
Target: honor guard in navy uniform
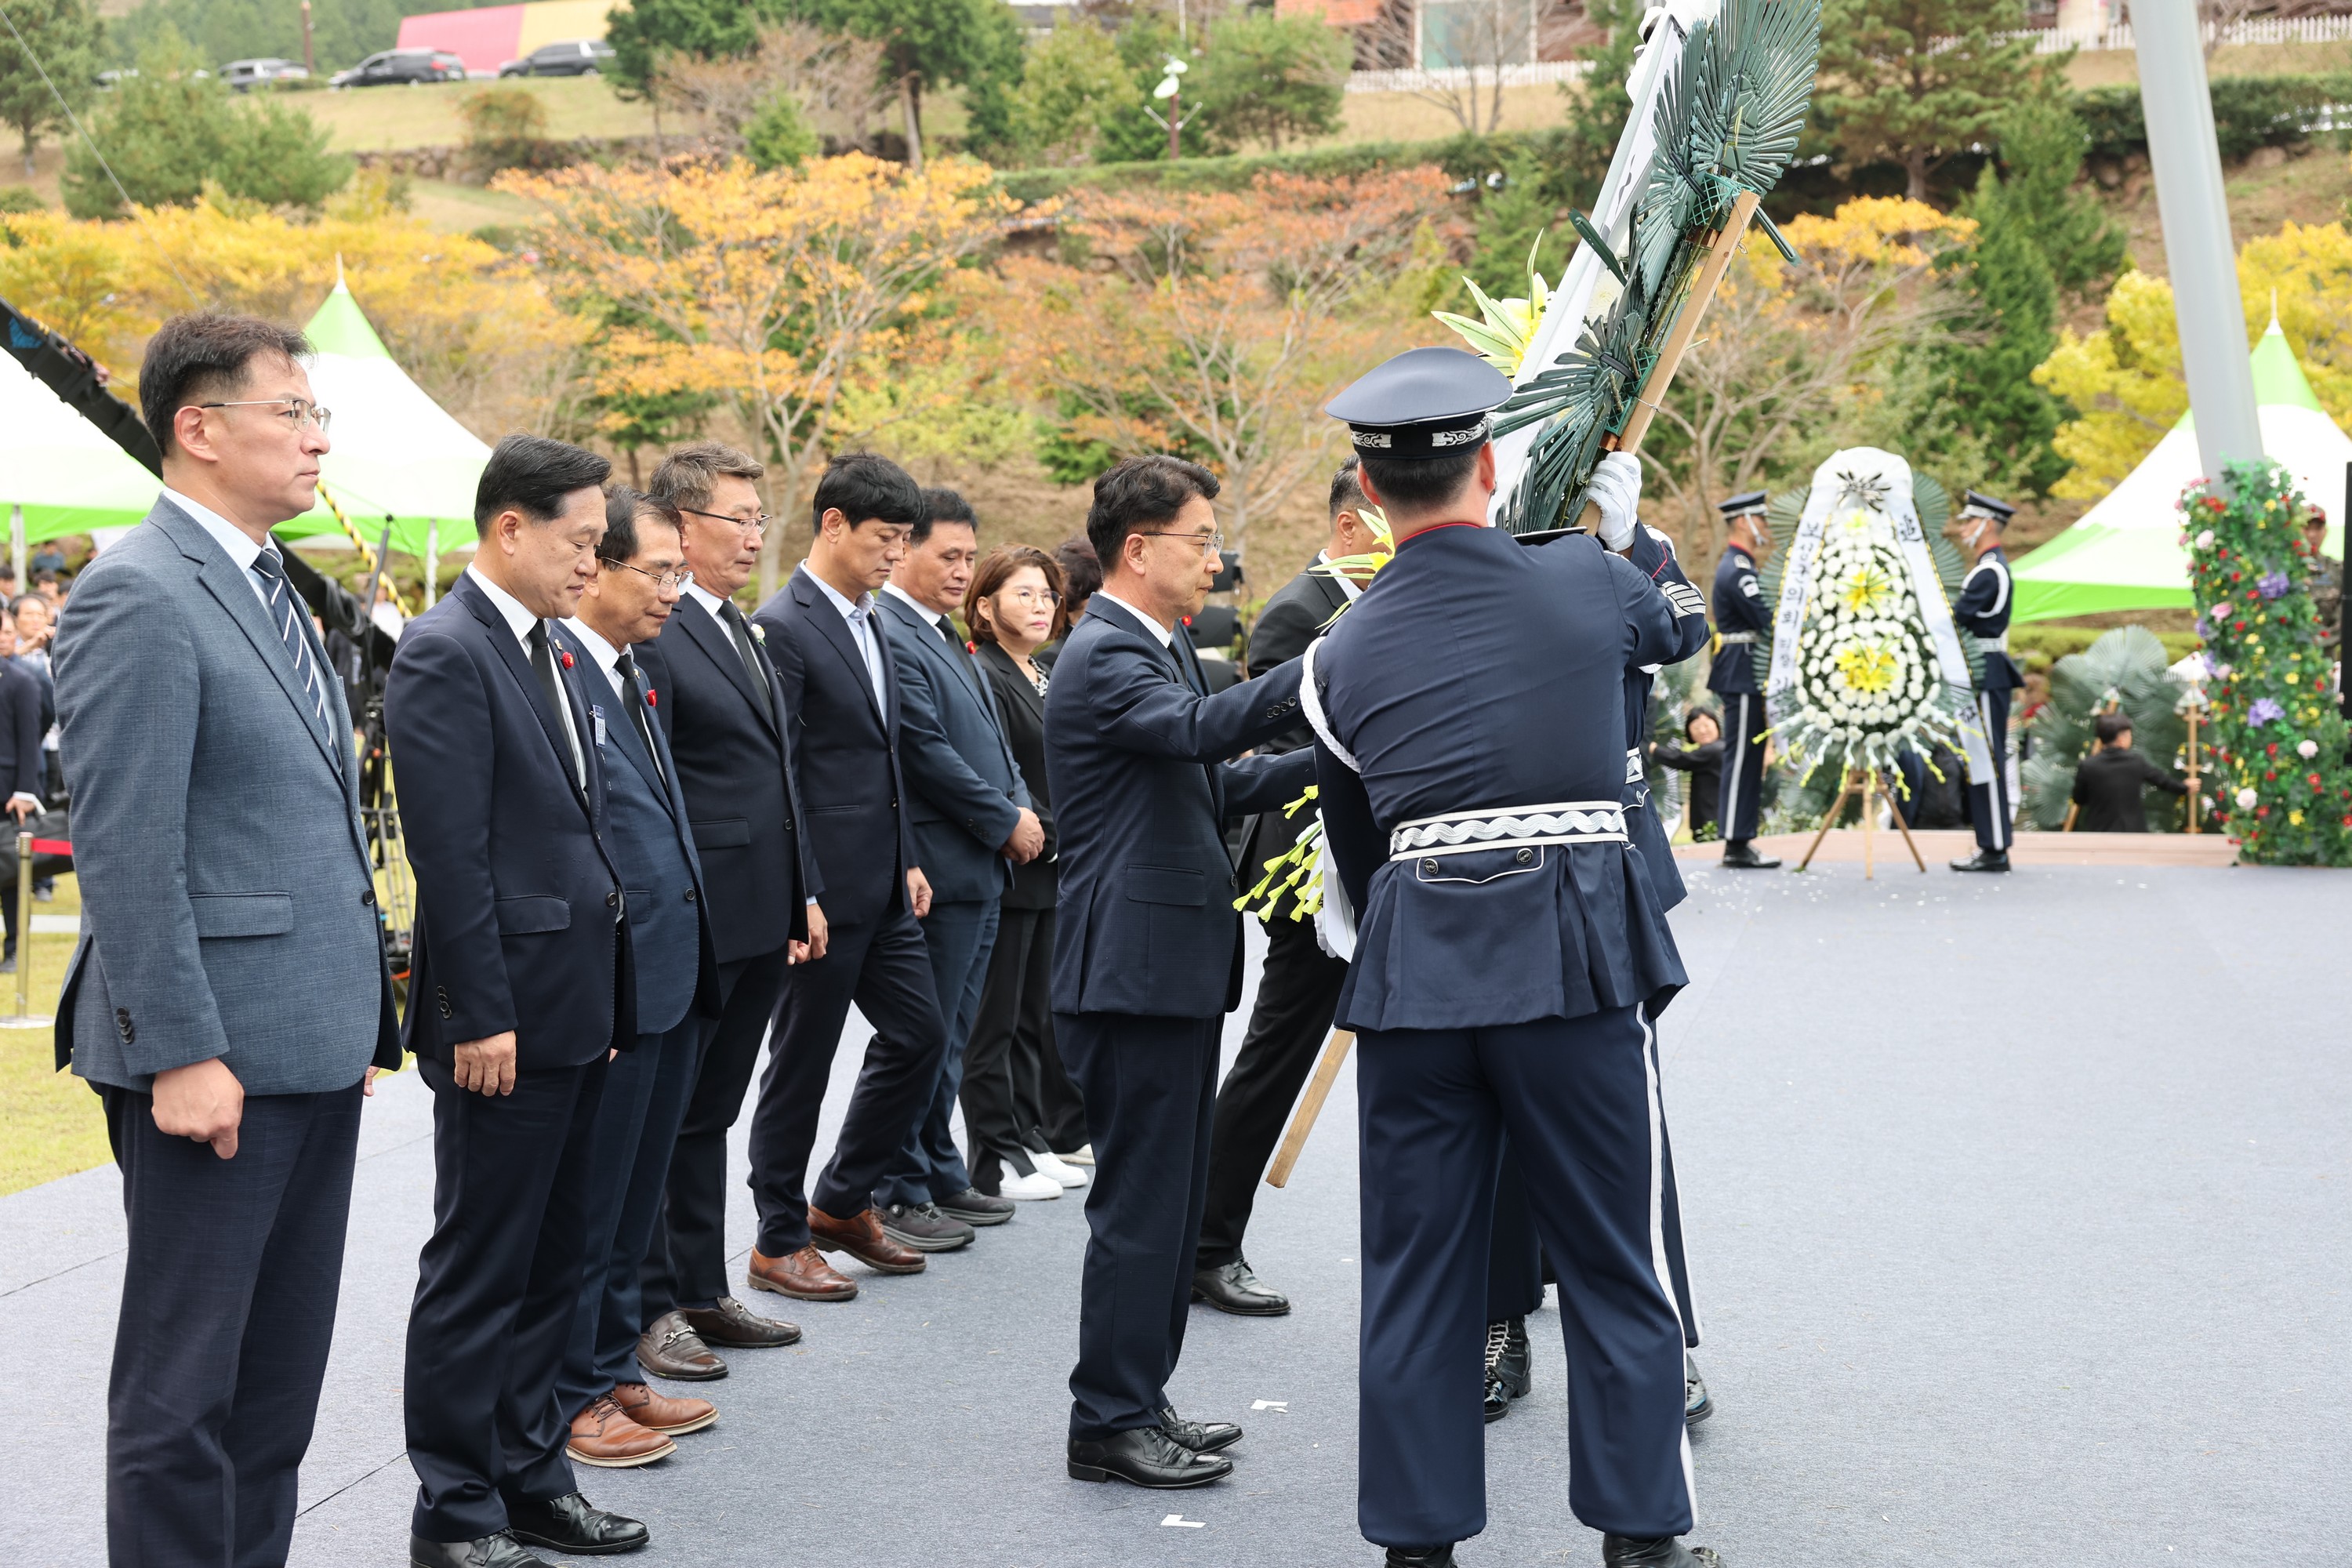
x=1983 y=609
x=1741 y=618
x=1510 y=955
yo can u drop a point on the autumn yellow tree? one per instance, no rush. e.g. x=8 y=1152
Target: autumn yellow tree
x=1789 y=349
x=1217 y=323
x=2124 y=379
x=773 y=292
x=472 y=325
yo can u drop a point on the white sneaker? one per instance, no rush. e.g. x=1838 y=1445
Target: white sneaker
x=1029 y=1189
x=1084 y=1154
x=1048 y=1165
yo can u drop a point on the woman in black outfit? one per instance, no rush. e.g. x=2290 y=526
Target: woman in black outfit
x=1703 y=763
x=2109 y=783
x=1017 y=1099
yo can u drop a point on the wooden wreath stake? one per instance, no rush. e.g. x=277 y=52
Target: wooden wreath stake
x=1844 y=794
x=1310 y=1106
x=2193 y=790
x=1896 y=807
x=1869 y=867
x=1719 y=253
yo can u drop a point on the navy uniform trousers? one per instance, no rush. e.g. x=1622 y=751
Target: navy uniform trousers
x=1742 y=802
x=225 y=1323
x=1577 y=1100
x=1150 y=1090
x=645 y=1100
x=1988 y=801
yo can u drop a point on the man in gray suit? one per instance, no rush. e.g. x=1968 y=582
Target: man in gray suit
x=972 y=822
x=228 y=998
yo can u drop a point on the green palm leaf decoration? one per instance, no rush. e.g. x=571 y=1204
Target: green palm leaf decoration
x=1727 y=123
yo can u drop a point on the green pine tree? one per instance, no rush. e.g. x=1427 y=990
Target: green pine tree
x=1918 y=82
x=64 y=37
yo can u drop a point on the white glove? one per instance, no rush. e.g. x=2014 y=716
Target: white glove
x=1616 y=489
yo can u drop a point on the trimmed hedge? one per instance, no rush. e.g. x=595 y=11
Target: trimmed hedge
x=2249 y=112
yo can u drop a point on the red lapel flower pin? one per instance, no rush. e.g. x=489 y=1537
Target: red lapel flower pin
x=566 y=657
x=653 y=697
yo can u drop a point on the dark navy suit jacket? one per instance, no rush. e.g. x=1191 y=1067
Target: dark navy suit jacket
x=669 y=933
x=966 y=792
x=1515 y=697
x=1653 y=555
x=1740 y=607
x=733 y=744
x=1983 y=609
x=20 y=732
x=518 y=894
x=1135 y=752
x=851 y=790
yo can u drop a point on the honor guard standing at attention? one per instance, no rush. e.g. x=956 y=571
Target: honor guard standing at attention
x=1982 y=609
x=1741 y=618
x=1510 y=955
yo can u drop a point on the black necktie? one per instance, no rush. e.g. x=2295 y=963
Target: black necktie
x=626 y=669
x=542 y=664
x=742 y=641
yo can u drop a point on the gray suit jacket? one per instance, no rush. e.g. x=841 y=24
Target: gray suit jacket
x=966 y=790
x=228 y=909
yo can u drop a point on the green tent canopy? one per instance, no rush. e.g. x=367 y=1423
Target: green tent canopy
x=396 y=454
x=2124 y=552
x=59 y=467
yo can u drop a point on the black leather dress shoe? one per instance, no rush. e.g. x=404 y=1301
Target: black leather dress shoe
x=1232 y=1287
x=574 y=1526
x=1697 y=1405
x=1498 y=1400
x=1741 y=855
x=1984 y=861
x=736 y=1326
x=975 y=1207
x=1200 y=1436
x=499 y=1550
x=671 y=1348
x=1666 y=1551
x=1146 y=1457
x=1512 y=1361
x=1420 y=1557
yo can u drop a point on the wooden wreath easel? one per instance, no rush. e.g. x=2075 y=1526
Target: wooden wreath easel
x=1865 y=781
x=1310 y=1106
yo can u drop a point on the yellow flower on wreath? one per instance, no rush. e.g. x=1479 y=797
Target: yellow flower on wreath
x=1867 y=589
x=1867 y=668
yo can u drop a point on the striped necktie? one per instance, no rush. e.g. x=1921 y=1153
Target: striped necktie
x=286 y=613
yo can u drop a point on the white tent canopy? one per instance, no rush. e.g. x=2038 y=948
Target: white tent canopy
x=61 y=469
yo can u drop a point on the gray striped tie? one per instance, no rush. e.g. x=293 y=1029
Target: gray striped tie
x=284 y=611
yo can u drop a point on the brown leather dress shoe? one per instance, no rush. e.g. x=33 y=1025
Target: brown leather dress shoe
x=659 y=1413
x=603 y=1436
x=671 y=1348
x=804 y=1276
x=860 y=1236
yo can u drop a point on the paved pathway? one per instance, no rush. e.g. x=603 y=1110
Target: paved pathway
x=2052 y=1272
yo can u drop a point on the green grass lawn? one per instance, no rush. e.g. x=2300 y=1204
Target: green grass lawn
x=386 y=119
x=49 y=1122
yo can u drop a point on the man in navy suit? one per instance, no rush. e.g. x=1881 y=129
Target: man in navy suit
x=617 y=1420
x=733 y=739
x=972 y=825
x=521 y=988
x=228 y=995
x=21 y=761
x=1147 y=945
x=823 y=632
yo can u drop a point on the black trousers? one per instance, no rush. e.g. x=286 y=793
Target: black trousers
x=1988 y=798
x=1150 y=1091
x=228 y=1307
x=884 y=968
x=686 y=1264
x=1743 y=765
x=1296 y=995
x=1002 y=1075
x=497 y=1292
x=646 y=1091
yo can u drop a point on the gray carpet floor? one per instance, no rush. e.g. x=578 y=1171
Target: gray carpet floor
x=2017 y=1211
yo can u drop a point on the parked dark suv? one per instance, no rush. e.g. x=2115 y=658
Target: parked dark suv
x=406 y=67
x=574 y=56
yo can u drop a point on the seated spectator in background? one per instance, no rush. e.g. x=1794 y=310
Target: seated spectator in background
x=2108 y=785
x=47 y=558
x=1703 y=762
x=20 y=764
x=51 y=587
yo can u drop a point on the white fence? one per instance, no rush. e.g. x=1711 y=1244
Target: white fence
x=1462 y=79
x=2255 y=30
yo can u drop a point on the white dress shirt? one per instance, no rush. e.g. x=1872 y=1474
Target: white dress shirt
x=242 y=547
x=519 y=620
x=859 y=613
x=1347 y=584
x=1167 y=634
x=608 y=659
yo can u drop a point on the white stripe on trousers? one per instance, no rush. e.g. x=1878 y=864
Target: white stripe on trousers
x=1658 y=1231
x=1996 y=788
x=1727 y=808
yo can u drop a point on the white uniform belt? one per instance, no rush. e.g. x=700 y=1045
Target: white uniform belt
x=1737 y=637
x=2000 y=642
x=1634 y=773
x=1511 y=827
